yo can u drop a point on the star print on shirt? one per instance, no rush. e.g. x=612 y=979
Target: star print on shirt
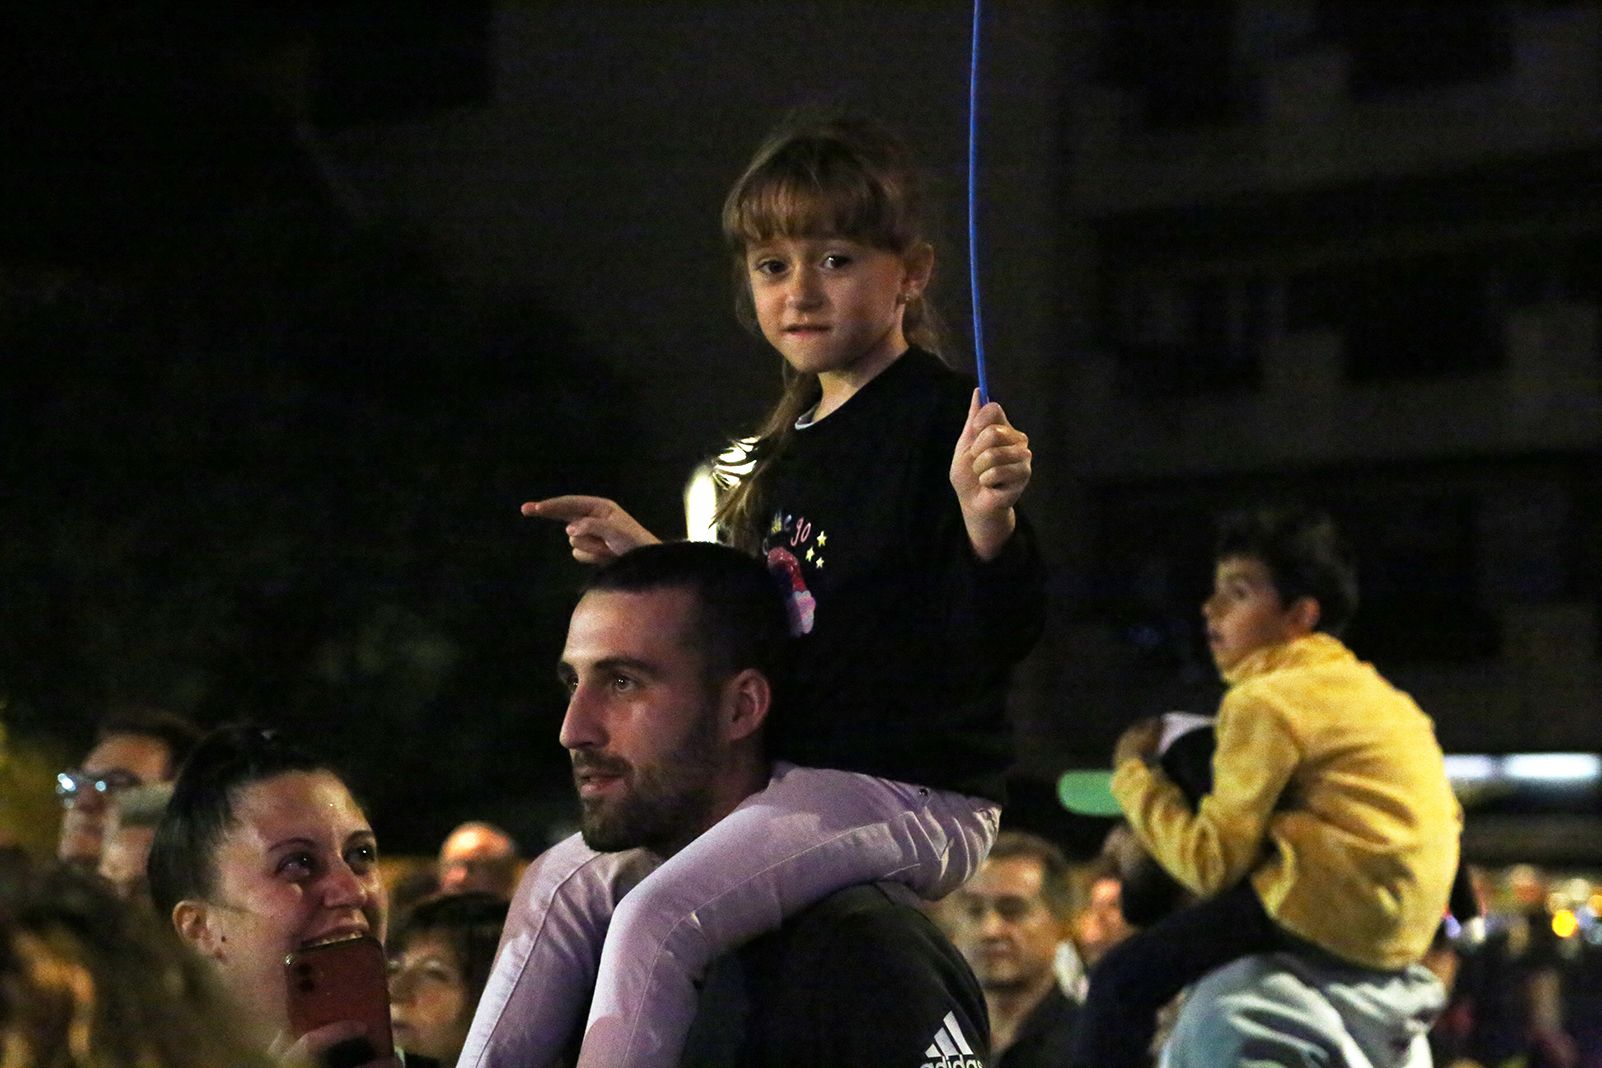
x=795 y=534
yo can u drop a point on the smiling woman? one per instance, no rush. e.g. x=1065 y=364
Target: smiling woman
x=263 y=851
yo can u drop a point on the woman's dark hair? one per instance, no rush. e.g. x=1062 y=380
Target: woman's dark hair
x=819 y=174
x=183 y=855
x=470 y=922
x=1305 y=556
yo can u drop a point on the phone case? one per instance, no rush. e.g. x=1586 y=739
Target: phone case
x=344 y=980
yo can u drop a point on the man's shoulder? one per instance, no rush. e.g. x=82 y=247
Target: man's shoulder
x=862 y=977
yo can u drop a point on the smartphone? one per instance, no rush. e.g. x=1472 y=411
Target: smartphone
x=342 y=980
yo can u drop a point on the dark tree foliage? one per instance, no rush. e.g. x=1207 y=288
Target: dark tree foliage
x=259 y=460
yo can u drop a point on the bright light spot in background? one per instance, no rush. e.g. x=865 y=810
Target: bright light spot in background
x=700 y=502
x=1553 y=767
x=1464 y=768
x=1474 y=769
x=701 y=492
x=1565 y=923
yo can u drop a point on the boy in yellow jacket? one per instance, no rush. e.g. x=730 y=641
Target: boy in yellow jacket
x=1331 y=828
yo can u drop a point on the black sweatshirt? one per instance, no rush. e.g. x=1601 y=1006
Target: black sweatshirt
x=902 y=661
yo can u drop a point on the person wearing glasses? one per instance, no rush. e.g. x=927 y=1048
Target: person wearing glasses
x=133 y=747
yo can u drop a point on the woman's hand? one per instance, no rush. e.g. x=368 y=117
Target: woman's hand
x=597 y=529
x=310 y=1050
x=989 y=470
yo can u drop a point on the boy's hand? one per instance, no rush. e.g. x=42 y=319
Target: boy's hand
x=989 y=470
x=1139 y=742
x=597 y=529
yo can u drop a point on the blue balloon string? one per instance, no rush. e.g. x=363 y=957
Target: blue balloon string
x=973 y=209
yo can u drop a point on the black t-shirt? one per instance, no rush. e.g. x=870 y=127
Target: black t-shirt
x=905 y=638
x=862 y=978
x=1046 y=1037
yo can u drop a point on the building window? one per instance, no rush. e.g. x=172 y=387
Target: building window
x=1189 y=337
x=1417 y=44
x=1426 y=317
x=1175 y=58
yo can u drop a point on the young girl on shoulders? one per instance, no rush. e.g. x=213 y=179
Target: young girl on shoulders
x=883 y=497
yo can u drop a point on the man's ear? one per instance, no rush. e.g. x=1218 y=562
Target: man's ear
x=746 y=700
x=193 y=922
x=1304 y=614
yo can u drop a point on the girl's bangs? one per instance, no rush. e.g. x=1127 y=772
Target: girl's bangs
x=788 y=206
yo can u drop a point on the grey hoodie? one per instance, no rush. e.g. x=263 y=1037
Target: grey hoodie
x=1278 y=1009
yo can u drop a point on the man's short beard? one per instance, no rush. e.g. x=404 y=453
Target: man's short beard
x=667 y=804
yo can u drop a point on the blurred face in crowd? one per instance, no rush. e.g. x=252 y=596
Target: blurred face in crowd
x=428 y=998
x=641 y=724
x=298 y=866
x=478 y=857
x=116 y=763
x=125 y=848
x=1005 y=929
x=1101 y=925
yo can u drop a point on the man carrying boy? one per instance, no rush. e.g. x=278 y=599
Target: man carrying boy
x=1331 y=829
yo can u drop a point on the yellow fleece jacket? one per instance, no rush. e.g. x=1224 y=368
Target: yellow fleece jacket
x=1330 y=790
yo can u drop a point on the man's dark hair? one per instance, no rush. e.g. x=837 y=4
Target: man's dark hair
x=740 y=616
x=183 y=855
x=1305 y=556
x=1056 y=874
x=170 y=729
x=470 y=923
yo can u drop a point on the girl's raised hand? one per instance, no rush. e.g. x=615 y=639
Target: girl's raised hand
x=989 y=470
x=597 y=529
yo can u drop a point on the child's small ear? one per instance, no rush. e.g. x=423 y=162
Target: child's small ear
x=919 y=262
x=1305 y=614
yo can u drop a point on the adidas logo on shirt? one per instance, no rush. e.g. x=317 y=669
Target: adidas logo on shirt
x=949 y=1049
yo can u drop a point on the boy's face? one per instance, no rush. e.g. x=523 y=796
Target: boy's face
x=1245 y=613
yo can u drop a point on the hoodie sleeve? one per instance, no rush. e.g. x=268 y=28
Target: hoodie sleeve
x=1213 y=847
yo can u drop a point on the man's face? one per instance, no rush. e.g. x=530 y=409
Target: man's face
x=477 y=858
x=135 y=759
x=641 y=724
x=1005 y=930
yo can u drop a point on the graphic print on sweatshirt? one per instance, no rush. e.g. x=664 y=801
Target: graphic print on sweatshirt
x=792 y=546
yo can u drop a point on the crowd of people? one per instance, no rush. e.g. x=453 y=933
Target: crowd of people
x=791 y=793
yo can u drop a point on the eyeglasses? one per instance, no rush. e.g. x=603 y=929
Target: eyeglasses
x=74 y=784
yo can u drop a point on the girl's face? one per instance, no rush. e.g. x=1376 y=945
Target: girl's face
x=299 y=865
x=428 y=999
x=833 y=307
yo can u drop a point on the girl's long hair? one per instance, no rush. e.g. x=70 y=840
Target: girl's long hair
x=817 y=175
